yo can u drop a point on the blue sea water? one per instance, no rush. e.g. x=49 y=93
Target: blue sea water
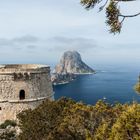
x=111 y=83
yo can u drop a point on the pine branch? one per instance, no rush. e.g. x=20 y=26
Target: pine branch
x=127 y=16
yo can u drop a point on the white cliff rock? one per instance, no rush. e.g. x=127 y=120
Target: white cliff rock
x=71 y=62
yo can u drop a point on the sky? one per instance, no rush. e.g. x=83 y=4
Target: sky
x=39 y=31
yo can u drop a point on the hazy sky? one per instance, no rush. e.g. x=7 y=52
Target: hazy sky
x=39 y=31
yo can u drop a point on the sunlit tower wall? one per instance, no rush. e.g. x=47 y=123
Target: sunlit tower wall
x=23 y=87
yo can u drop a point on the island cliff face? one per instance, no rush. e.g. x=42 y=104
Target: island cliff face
x=71 y=62
x=70 y=65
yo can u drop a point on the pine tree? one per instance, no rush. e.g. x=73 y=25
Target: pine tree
x=137 y=86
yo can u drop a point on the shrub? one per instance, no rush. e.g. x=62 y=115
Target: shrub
x=65 y=119
x=8 y=123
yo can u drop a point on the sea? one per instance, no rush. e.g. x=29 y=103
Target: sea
x=110 y=83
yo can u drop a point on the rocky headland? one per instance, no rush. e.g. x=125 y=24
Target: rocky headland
x=69 y=67
x=59 y=79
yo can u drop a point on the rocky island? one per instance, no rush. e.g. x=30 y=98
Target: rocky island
x=70 y=65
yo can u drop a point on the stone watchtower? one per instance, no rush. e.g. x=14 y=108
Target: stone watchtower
x=22 y=87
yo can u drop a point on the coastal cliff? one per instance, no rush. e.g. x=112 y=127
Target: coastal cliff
x=69 y=67
x=71 y=62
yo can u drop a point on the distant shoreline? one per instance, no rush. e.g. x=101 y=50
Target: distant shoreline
x=63 y=83
x=77 y=74
x=84 y=73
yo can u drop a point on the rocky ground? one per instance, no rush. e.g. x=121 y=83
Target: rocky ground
x=9 y=130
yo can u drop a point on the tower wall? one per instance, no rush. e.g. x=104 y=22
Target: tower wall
x=23 y=87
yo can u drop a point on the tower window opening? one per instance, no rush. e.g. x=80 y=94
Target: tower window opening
x=0 y=108
x=22 y=95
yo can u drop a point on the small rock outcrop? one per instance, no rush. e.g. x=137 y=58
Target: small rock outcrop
x=71 y=62
x=58 y=79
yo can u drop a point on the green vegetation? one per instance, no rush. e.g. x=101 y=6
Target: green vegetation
x=66 y=119
x=137 y=86
x=8 y=133
x=114 y=17
x=7 y=123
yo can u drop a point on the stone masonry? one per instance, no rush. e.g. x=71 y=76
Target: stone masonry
x=23 y=87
